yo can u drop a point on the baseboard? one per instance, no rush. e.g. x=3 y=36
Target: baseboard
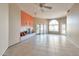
x=4 y=51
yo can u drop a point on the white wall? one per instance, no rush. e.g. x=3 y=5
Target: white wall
x=14 y=24
x=3 y=28
x=9 y=26
x=73 y=24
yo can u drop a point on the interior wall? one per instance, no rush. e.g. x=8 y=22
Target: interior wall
x=3 y=27
x=26 y=19
x=73 y=24
x=41 y=21
x=14 y=24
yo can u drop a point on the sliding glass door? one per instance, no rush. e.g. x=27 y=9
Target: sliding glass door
x=63 y=28
x=41 y=28
x=38 y=29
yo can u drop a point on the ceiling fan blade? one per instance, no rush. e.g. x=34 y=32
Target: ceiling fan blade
x=41 y=4
x=48 y=7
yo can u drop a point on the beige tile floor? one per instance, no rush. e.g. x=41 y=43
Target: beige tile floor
x=44 y=45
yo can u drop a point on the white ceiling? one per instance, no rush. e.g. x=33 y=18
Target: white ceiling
x=58 y=10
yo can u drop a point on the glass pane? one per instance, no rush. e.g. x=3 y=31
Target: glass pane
x=52 y=22
x=56 y=28
x=37 y=28
x=41 y=27
x=53 y=28
x=53 y=25
x=63 y=29
x=45 y=28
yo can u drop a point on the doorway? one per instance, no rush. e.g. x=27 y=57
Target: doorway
x=63 y=29
x=41 y=28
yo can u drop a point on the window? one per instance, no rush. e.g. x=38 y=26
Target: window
x=63 y=29
x=53 y=25
x=37 y=28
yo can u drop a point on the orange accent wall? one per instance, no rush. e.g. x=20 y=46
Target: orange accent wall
x=26 y=19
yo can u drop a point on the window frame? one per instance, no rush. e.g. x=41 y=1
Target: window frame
x=53 y=26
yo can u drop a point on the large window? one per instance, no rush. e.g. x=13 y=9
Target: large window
x=54 y=25
x=63 y=29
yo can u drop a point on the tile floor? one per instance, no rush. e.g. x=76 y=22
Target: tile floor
x=44 y=45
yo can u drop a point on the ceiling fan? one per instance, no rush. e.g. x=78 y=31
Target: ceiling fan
x=43 y=5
